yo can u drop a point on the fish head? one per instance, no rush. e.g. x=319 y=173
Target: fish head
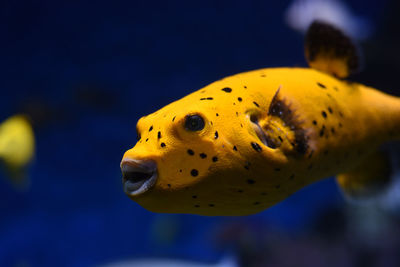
x=203 y=155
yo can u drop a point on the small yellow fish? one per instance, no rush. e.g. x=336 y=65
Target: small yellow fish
x=17 y=147
x=246 y=142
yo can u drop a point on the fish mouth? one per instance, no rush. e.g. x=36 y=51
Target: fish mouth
x=138 y=176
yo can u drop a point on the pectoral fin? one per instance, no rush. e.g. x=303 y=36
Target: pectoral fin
x=369 y=177
x=329 y=50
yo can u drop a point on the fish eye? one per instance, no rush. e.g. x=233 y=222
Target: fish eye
x=194 y=123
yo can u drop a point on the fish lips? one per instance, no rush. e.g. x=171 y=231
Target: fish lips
x=138 y=176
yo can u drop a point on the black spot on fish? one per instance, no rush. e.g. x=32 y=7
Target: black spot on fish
x=180 y=170
x=340 y=125
x=321 y=85
x=211 y=205
x=147 y=139
x=245 y=87
x=247 y=165
x=163 y=145
x=314 y=122
x=237 y=114
x=256 y=203
x=291 y=177
x=255 y=103
x=263 y=75
x=250 y=181
x=194 y=172
x=190 y=152
x=206 y=98
x=256 y=146
x=241 y=125
x=333 y=130
x=235 y=148
x=341 y=114
x=216 y=135
x=215 y=159
x=240 y=191
x=173 y=119
x=169 y=185
x=330 y=110
x=216 y=114
x=159 y=135
x=324 y=114
x=151 y=128
x=197 y=206
x=322 y=131
x=239 y=99
x=335 y=88
x=280 y=138
x=277 y=169
x=203 y=156
x=194 y=196
x=227 y=89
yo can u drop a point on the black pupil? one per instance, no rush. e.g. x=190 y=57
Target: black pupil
x=194 y=123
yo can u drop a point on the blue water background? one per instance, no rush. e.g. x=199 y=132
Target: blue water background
x=96 y=68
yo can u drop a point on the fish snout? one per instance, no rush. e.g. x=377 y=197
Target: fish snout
x=138 y=175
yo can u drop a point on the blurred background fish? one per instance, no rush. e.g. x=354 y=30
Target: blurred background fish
x=301 y=13
x=17 y=148
x=227 y=261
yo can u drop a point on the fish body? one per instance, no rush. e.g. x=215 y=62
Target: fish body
x=248 y=141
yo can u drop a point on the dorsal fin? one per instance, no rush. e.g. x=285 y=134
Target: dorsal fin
x=329 y=50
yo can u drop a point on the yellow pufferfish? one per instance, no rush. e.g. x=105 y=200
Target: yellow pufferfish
x=248 y=141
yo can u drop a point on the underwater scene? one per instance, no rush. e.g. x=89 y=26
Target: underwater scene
x=200 y=133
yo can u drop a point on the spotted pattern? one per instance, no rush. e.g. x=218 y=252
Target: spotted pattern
x=256 y=146
x=194 y=172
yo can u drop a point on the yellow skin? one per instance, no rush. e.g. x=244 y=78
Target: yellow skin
x=340 y=123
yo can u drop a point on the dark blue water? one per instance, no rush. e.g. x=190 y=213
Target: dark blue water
x=88 y=72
